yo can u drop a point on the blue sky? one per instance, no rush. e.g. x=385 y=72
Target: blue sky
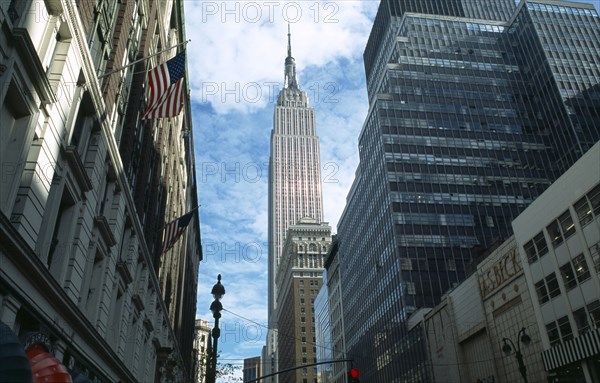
x=235 y=63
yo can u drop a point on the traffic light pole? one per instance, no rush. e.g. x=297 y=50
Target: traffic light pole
x=298 y=367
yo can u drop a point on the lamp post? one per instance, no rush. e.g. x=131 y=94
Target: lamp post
x=217 y=291
x=508 y=349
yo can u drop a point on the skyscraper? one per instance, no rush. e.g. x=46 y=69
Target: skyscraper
x=294 y=173
x=459 y=139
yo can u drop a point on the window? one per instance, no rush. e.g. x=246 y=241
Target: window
x=594 y=197
x=536 y=248
x=566 y=333
x=581 y=269
x=583 y=211
x=568 y=276
x=581 y=320
x=595 y=253
x=553 y=288
x=594 y=313
x=553 y=334
x=566 y=224
x=542 y=292
x=554 y=232
x=559 y=331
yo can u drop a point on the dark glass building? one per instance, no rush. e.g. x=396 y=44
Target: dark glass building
x=468 y=123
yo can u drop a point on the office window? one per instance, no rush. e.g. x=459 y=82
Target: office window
x=552 y=284
x=555 y=234
x=559 y=331
x=542 y=292
x=536 y=248
x=581 y=269
x=568 y=276
x=595 y=253
x=566 y=224
x=581 y=320
x=553 y=333
x=583 y=211
x=593 y=310
x=566 y=333
x=594 y=197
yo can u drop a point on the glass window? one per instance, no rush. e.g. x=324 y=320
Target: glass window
x=553 y=334
x=581 y=269
x=594 y=197
x=581 y=320
x=554 y=233
x=594 y=311
x=552 y=283
x=542 y=292
x=530 y=251
x=540 y=244
x=584 y=212
x=568 y=276
x=566 y=224
x=595 y=253
x=566 y=333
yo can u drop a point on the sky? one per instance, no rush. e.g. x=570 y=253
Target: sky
x=236 y=69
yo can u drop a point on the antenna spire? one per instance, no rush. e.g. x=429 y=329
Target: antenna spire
x=290 y=65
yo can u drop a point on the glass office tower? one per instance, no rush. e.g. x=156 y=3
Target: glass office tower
x=456 y=144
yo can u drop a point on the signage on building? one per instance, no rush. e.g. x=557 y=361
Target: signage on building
x=492 y=278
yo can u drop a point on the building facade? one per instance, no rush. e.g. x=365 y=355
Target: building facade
x=201 y=349
x=299 y=280
x=323 y=333
x=465 y=331
x=252 y=368
x=294 y=180
x=558 y=239
x=81 y=210
x=446 y=163
x=336 y=319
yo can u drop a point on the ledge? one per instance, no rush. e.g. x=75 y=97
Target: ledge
x=76 y=165
x=33 y=65
x=124 y=272
x=105 y=232
x=138 y=302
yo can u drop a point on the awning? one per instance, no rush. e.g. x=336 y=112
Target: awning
x=582 y=347
x=14 y=365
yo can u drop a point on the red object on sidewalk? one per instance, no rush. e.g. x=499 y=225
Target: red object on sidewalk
x=45 y=367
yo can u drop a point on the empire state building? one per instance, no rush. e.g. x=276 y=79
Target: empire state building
x=294 y=170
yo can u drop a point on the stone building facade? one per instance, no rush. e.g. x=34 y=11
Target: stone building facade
x=86 y=187
x=299 y=280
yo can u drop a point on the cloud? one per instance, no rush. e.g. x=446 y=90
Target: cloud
x=238 y=57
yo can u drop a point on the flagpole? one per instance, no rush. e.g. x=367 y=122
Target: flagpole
x=143 y=59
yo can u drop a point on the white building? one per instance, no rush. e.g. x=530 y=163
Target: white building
x=559 y=242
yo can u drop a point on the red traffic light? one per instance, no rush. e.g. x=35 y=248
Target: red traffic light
x=354 y=373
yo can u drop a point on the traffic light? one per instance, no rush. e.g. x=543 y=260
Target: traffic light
x=353 y=375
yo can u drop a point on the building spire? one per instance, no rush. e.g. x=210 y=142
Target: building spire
x=289 y=41
x=290 y=65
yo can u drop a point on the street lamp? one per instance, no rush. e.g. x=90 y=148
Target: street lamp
x=507 y=349
x=217 y=291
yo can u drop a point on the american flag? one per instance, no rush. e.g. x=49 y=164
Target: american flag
x=173 y=230
x=166 y=88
